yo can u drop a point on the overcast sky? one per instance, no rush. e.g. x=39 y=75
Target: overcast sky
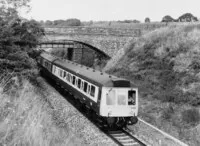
x=96 y=10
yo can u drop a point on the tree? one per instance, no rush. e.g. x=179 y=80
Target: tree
x=13 y=6
x=147 y=20
x=18 y=37
x=48 y=23
x=73 y=22
x=187 y=17
x=58 y=22
x=168 y=18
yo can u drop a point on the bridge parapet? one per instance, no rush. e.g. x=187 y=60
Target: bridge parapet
x=93 y=31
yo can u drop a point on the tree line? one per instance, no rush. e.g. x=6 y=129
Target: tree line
x=187 y=17
x=68 y=22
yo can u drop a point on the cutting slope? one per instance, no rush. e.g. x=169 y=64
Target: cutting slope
x=165 y=63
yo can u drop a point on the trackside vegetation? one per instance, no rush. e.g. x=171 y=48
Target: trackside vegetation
x=25 y=117
x=165 y=65
x=18 y=38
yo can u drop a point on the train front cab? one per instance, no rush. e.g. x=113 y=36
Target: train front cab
x=119 y=103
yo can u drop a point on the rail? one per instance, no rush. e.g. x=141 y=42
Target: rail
x=123 y=137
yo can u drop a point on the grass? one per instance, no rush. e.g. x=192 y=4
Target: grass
x=164 y=65
x=191 y=116
x=26 y=117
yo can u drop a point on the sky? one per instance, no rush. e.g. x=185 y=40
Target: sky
x=109 y=10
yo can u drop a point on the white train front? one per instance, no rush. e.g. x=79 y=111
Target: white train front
x=109 y=97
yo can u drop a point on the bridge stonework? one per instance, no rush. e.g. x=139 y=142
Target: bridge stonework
x=106 y=39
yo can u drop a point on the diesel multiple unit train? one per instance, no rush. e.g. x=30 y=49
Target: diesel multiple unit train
x=109 y=97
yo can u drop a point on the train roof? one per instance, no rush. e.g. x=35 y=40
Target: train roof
x=94 y=76
x=48 y=57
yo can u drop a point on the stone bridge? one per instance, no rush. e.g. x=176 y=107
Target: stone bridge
x=108 y=40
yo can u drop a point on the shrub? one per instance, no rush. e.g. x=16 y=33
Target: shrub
x=168 y=112
x=191 y=116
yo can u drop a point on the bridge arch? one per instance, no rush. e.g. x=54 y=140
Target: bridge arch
x=66 y=43
x=77 y=51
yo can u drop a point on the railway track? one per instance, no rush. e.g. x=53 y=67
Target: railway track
x=123 y=137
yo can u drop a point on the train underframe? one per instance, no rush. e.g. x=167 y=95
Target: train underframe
x=121 y=121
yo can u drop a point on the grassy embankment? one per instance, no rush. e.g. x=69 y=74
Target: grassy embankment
x=26 y=118
x=165 y=65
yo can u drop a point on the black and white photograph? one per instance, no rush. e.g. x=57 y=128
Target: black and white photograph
x=99 y=73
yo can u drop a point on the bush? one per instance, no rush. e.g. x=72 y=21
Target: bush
x=168 y=112
x=191 y=116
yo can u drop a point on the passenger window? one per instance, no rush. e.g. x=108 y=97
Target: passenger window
x=85 y=87
x=82 y=84
x=111 y=98
x=45 y=64
x=60 y=73
x=64 y=74
x=79 y=83
x=69 y=77
x=88 y=89
x=54 y=69
x=73 y=80
x=92 y=92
